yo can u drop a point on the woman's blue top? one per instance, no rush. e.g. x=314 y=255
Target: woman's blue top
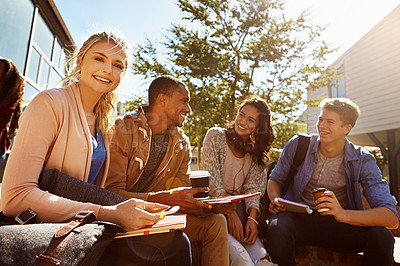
x=98 y=157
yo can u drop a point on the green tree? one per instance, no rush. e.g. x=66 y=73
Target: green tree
x=231 y=50
x=135 y=102
x=381 y=161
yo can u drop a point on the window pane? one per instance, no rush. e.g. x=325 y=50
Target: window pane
x=34 y=65
x=57 y=54
x=63 y=60
x=44 y=75
x=54 y=79
x=43 y=36
x=15 y=24
x=333 y=92
x=29 y=92
x=341 y=88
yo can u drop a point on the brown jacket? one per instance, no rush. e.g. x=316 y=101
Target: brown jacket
x=129 y=153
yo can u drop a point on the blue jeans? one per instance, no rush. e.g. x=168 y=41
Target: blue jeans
x=288 y=230
x=159 y=249
x=244 y=254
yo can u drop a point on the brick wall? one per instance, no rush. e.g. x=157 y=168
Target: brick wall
x=314 y=256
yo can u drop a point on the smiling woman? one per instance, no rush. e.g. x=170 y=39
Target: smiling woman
x=54 y=133
x=99 y=67
x=235 y=157
x=69 y=129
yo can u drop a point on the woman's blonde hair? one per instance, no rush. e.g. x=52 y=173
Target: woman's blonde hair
x=105 y=109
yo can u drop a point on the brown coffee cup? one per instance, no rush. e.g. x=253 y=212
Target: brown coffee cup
x=317 y=193
x=200 y=179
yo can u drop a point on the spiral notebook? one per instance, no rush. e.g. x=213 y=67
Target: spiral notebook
x=292 y=206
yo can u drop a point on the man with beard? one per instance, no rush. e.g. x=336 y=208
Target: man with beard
x=150 y=160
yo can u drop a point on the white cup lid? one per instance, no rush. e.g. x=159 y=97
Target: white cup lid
x=199 y=173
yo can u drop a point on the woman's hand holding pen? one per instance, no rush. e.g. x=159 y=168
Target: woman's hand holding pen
x=131 y=214
x=275 y=206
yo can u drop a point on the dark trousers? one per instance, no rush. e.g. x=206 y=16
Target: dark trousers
x=159 y=249
x=288 y=230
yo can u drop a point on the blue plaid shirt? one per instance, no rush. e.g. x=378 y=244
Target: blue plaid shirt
x=360 y=168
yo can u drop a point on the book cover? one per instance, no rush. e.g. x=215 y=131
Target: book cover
x=292 y=206
x=228 y=199
x=167 y=224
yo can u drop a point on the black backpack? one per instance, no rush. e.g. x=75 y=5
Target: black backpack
x=299 y=156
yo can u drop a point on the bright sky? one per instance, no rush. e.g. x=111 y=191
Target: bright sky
x=347 y=21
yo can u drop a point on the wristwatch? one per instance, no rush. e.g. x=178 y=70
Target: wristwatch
x=26 y=217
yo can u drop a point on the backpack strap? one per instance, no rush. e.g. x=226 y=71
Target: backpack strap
x=301 y=150
x=62 y=237
x=299 y=156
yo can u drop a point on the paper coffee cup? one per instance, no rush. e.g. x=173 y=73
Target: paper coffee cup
x=317 y=193
x=200 y=178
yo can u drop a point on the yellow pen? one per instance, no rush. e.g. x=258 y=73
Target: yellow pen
x=162 y=214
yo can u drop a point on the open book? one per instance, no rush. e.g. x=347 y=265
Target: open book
x=167 y=224
x=292 y=206
x=228 y=199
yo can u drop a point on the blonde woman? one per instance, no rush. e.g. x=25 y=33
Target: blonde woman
x=69 y=129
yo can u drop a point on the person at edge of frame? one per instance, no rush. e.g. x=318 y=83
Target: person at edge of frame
x=340 y=222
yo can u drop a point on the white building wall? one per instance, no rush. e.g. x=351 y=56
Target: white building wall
x=372 y=77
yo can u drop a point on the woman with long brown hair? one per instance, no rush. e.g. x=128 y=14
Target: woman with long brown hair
x=11 y=92
x=236 y=158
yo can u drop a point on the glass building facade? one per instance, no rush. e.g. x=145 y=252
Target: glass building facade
x=28 y=40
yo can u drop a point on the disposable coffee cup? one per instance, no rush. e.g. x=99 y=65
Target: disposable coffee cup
x=200 y=179
x=317 y=193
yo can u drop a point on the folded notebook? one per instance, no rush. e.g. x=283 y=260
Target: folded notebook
x=165 y=225
x=228 y=199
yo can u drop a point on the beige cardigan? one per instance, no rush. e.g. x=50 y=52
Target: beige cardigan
x=53 y=134
x=214 y=154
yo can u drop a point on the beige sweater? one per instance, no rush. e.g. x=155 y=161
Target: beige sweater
x=214 y=155
x=53 y=134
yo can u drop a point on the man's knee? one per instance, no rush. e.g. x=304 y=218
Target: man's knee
x=280 y=225
x=206 y=228
x=381 y=238
x=281 y=232
x=211 y=228
x=281 y=238
x=217 y=224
